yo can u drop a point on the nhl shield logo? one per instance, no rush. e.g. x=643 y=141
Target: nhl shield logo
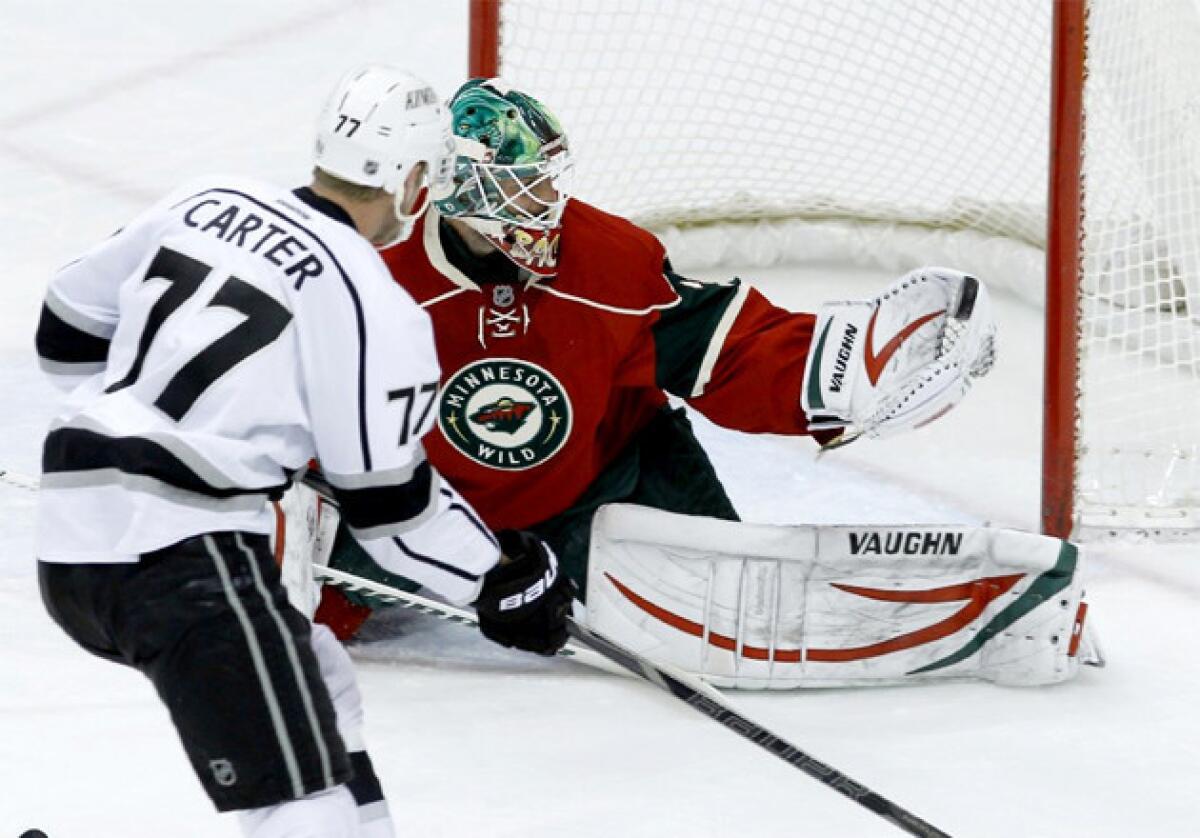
x=505 y=413
x=503 y=296
x=222 y=771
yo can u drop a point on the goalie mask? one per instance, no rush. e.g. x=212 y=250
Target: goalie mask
x=510 y=174
x=377 y=126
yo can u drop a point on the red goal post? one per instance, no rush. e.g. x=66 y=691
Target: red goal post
x=1060 y=399
x=983 y=106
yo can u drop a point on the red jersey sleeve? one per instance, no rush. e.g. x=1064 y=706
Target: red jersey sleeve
x=753 y=377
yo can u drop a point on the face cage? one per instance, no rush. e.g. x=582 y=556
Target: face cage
x=508 y=192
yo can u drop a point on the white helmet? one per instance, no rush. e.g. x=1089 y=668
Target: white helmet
x=378 y=124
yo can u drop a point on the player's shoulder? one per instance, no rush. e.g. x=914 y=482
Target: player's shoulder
x=275 y=203
x=592 y=226
x=611 y=263
x=217 y=184
x=420 y=265
x=289 y=232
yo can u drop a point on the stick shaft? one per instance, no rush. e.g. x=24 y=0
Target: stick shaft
x=704 y=699
x=445 y=611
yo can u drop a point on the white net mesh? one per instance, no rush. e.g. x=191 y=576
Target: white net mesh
x=1140 y=406
x=900 y=135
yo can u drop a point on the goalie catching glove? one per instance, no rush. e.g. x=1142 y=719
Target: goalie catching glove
x=525 y=599
x=901 y=360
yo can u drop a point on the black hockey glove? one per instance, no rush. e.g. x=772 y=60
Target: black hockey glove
x=525 y=599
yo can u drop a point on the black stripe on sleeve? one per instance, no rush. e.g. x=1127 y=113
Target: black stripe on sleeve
x=682 y=335
x=379 y=506
x=68 y=450
x=59 y=341
x=432 y=562
x=470 y=516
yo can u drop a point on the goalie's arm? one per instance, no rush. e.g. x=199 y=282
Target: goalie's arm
x=871 y=367
x=734 y=356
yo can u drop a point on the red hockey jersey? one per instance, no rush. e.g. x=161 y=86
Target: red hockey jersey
x=544 y=382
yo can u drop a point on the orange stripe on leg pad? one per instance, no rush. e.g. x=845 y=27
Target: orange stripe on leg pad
x=978 y=593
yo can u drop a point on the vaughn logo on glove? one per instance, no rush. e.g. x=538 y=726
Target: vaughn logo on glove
x=942 y=337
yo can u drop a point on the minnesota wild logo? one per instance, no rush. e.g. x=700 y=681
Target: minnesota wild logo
x=505 y=413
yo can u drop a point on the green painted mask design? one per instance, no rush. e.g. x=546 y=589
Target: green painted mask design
x=513 y=124
x=519 y=144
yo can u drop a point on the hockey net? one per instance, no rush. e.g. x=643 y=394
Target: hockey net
x=754 y=132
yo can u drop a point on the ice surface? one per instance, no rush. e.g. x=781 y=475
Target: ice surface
x=107 y=106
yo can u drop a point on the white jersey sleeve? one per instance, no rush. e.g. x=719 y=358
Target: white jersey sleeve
x=372 y=377
x=214 y=347
x=81 y=308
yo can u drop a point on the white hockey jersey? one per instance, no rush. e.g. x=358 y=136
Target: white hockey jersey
x=212 y=348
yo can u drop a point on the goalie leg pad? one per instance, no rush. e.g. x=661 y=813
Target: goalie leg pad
x=758 y=606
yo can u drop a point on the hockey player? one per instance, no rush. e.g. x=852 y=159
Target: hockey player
x=211 y=349
x=562 y=329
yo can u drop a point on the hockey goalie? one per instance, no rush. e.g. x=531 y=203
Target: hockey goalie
x=562 y=332
x=765 y=606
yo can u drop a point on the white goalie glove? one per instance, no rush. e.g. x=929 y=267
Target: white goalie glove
x=902 y=359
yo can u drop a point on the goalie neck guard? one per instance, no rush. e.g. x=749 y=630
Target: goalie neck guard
x=510 y=172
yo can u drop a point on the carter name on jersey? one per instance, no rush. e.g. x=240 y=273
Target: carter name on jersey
x=229 y=221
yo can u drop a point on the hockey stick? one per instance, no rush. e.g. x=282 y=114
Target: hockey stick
x=444 y=611
x=589 y=645
x=595 y=650
x=705 y=699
